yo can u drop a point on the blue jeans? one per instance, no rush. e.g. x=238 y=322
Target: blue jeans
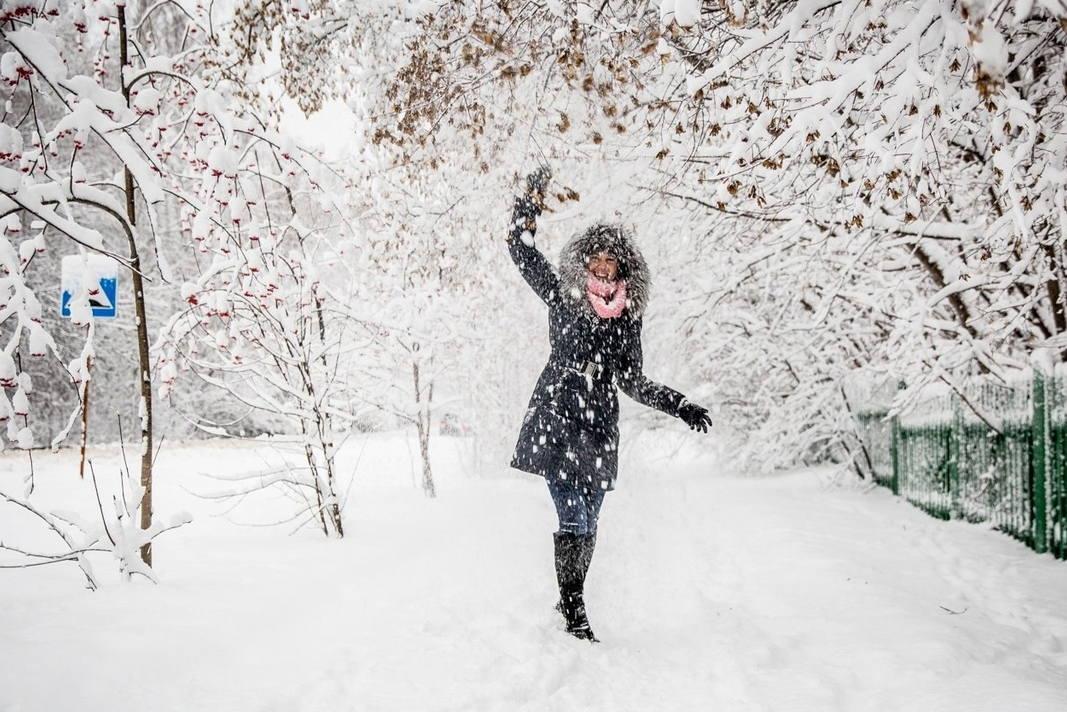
x=577 y=506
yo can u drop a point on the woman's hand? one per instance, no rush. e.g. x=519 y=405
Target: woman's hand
x=529 y=205
x=695 y=416
x=537 y=185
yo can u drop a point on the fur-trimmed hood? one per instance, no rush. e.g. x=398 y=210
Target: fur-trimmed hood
x=616 y=241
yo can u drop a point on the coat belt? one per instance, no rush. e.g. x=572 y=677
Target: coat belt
x=596 y=371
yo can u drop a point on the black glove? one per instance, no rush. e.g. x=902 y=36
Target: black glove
x=695 y=416
x=537 y=184
x=530 y=203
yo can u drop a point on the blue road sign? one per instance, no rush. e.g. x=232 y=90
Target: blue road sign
x=96 y=278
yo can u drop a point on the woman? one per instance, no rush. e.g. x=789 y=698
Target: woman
x=570 y=435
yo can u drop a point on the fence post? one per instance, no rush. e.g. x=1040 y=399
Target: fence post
x=955 y=445
x=895 y=445
x=1039 y=454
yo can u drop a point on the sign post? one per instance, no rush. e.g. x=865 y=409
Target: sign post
x=89 y=291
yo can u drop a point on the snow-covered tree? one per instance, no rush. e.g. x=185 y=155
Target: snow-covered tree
x=267 y=321
x=419 y=267
x=904 y=160
x=124 y=136
x=74 y=145
x=852 y=182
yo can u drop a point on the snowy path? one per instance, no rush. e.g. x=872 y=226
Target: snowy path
x=709 y=592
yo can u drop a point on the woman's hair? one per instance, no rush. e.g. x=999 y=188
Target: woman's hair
x=615 y=240
x=611 y=239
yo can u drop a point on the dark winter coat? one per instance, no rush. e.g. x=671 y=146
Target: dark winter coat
x=571 y=428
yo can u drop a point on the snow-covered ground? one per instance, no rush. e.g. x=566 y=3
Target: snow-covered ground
x=708 y=590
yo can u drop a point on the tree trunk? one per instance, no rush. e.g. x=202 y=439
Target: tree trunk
x=333 y=507
x=422 y=424
x=143 y=360
x=328 y=509
x=1056 y=295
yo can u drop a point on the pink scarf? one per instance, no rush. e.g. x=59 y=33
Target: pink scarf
x=608 y=298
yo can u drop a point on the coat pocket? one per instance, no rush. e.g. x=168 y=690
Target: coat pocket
x=543 y=443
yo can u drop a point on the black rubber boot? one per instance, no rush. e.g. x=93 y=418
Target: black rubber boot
x=586 y=545
x=573 y=554
x=585 y=555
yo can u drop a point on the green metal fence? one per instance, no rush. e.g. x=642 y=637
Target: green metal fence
x=989 y=453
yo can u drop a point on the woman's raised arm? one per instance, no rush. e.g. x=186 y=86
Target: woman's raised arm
x=533 y=266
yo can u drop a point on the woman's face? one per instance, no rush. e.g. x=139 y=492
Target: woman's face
x=603 y=266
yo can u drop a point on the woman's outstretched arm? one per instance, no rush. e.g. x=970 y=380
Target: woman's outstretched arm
x=633 y=382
